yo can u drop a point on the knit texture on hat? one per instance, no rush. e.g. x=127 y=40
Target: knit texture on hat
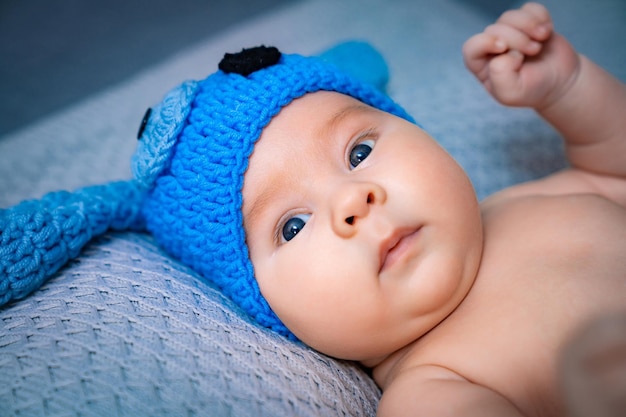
x=194 y=208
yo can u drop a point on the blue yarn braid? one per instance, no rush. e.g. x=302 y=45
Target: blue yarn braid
x=37 y=237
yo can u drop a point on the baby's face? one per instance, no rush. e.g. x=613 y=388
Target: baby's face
x=363 y=232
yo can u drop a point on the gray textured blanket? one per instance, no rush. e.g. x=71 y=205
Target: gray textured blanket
x=127 y=331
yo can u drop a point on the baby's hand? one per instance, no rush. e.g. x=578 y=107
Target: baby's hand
x=520 y=60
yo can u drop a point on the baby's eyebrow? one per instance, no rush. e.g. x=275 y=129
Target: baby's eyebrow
x=259 y=205
x=337 y=118
x=272 y=188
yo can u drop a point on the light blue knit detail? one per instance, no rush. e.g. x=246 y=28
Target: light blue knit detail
x=156 y=145
x=360 y=60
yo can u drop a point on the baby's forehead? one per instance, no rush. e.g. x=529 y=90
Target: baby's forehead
x=316 y=122
x=321 y=110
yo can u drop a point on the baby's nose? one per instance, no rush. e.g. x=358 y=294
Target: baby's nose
x=352 y=203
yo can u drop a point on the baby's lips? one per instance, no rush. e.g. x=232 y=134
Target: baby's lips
x=393 y=242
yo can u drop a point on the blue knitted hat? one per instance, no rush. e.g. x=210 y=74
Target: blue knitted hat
x=194 y=207
x=192 y=156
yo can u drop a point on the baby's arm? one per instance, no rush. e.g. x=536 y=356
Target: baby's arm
x=521 y=61
x=436 y=392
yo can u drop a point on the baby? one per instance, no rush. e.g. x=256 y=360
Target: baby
x=316 y=204
x=368 y=243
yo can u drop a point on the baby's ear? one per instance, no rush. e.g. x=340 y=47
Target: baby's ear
x=360 y=60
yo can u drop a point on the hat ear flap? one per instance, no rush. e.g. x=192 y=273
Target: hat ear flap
x=158 y=136
x=360 y=60
x=37 y=237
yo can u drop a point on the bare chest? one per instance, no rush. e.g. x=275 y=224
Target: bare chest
x=549 y=265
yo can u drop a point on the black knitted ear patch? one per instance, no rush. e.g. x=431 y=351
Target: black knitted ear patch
x=249 y=60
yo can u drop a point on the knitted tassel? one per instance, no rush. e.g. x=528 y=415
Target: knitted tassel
x=37 y=237
x=360 y=60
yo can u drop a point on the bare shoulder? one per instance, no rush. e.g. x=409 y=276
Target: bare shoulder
x=432 y=390
x=520 y=225
x=566 y=182
x=529 y=211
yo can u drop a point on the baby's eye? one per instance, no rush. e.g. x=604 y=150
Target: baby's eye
x=293 y=226
x=360 y=152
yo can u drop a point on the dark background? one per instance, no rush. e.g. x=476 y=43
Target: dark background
x=53 y=53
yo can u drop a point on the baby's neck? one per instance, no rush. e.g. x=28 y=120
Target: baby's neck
x=384 y=369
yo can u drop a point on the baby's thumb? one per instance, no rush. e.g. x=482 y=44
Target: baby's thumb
x=504 y=76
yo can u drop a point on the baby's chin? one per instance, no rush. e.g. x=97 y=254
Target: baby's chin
x=370 y=347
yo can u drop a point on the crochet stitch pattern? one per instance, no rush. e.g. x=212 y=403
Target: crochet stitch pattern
x=37 y=237
x=189 y=170
x=194 y=210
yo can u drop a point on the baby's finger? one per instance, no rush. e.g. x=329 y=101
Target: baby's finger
x=478 y=49
x=533 y=19
x=541 y=13
x=505 y=78
x=514 y=38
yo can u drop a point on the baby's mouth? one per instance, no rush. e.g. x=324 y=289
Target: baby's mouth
x=395 y=247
